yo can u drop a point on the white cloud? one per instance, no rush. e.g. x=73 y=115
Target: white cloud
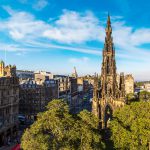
x=83 y=27
x=24 y=28
x=35 y=4
x=74 y=27
x=129 y=41
x=9 y=10
x=22 y=25
x=79 y=60
x=141 y=36
x=40 y=4
x=20 y=53
x=126 y=36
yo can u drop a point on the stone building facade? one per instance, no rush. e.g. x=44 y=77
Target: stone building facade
x=74 y=74
x=31 y=99
x=108 y=95
x=129 y=84
x=36 y=93
x=43 y=75
x=34 y=96
x=83 y=85
x=68 y=90
x=9 y=103
x=73 y=101
x=147 y=87
x=25 y=74
x=63 y=86
x=50 y=90
x=7 y=71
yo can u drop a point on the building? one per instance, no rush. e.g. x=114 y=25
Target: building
x=68 y=90
x=73 y=101
x=139 y=89
x=43 y=75
x=144 y=87
x=90 y=80
x=129 y=84
x=80 y=83
x=83 y=85
x=9 y=103
x=147 y=87
x=51 y=90
x=107 y=95
x=7 y=71
x=25 y=74
x=36 y=93
x=74 y=74
x=34 y=96
x=118 y=79
x=63 y=86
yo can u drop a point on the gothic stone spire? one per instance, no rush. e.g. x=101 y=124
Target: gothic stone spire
x=108 y=73
x=110 y=95
x=108 y=39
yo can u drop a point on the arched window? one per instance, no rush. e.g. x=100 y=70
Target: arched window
x=108 y=115
x=108 y=69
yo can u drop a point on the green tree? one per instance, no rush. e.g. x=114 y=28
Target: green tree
x=86 y=125
x=131 y=127
x=130 y=98
x=144 y=96
x=57 y=129
x=138 y=84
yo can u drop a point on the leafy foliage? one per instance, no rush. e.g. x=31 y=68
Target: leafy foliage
x=144 y=96
x=57 y=129
x=138 y=84
x=131 y=98
x=131 y=127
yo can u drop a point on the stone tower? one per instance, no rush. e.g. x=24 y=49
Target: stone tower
x=109 y=95
x=95 y=101
x=129 y=84
x=7 y=71
x=108 y=71
x=75 y=75
x=2 y=66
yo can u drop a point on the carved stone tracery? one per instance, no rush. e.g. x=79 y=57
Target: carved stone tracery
x=110 y=94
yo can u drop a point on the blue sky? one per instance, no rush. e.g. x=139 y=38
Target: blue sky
x=56 y=35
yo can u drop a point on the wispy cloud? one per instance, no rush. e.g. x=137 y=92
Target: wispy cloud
x=79 y=60
x=71 y=30
x=40 y=4
x=35 y=4
x=24 y=28
x=22 y=25
x=129 y=35
x=74 y=27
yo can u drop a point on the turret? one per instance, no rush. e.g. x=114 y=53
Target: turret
x=95 y=101
x=8 y=71
x=2 y=66
x=75 y=73
x=122 y=84
x=108 y=46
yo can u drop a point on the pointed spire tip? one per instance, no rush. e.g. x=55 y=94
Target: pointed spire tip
x=108 y=19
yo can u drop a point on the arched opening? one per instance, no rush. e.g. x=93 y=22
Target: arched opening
x=107 y=115
x=2 y=139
